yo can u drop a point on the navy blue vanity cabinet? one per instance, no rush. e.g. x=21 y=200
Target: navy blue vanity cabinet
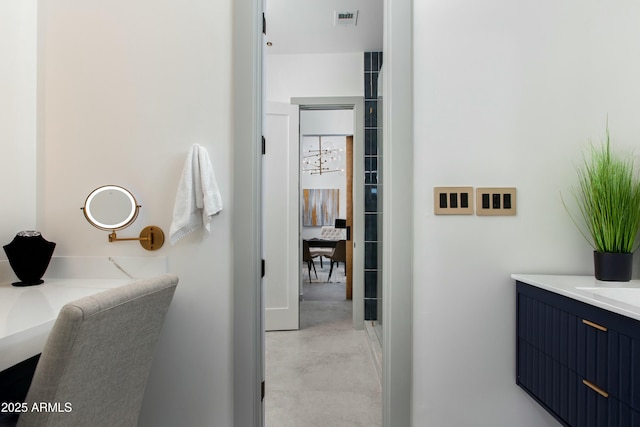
x=580 y=362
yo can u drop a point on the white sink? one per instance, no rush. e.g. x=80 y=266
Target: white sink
x=629 y=296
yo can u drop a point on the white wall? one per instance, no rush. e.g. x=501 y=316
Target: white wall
x=310 y=75
x=126 y=89
x=507 y=94
x=326 y=122
x=17 y=118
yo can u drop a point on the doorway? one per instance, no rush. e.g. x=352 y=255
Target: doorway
x=356 y=106
x=326 y=184
x=326 y=163
x=283 y=222
x=248 y=347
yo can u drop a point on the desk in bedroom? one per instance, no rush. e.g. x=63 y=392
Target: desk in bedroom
x=322 y=243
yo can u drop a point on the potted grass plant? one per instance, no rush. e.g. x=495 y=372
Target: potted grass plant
x=608 y=198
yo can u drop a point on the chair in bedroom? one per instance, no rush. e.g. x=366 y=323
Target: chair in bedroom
x=98 y=356
x=308 y=256
x=328 y=233
x=339 y=255
x=331 y=233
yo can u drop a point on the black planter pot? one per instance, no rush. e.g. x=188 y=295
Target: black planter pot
x=613 y=267
x=29 y=255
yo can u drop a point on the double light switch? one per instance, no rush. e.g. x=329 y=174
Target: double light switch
x=489 y=201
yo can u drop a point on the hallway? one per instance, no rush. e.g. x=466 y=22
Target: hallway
x=324 y=374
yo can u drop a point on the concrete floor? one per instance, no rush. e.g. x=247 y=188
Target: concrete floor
x=324 y=374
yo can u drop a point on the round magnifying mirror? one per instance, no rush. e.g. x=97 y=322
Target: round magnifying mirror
x=110 y=207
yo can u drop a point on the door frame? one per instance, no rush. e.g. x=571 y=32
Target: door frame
x=248 y=347
x=356 y=104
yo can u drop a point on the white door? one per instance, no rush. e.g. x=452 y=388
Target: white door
x=280 y=210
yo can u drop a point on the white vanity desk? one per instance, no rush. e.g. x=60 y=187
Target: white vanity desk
x=27 y=314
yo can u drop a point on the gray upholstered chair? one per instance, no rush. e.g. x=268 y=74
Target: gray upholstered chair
x=339 y=255
x=308 y=257
x=98 y=356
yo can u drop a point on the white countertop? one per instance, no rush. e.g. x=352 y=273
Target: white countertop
x=28 y=313
x=618 y=297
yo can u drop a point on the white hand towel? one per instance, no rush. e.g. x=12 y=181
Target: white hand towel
x=198 y=198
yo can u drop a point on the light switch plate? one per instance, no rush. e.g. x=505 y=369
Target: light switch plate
x=496 y=201
x=453 y=200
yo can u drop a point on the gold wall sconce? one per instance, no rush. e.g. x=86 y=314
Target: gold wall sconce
x=113 y=208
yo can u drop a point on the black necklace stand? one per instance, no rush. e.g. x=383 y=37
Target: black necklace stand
x=29 y=255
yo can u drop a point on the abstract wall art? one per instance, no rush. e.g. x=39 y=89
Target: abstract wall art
x=320 y=206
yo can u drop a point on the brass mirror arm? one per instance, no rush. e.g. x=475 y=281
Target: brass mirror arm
x=151 y=238
x=114 y=238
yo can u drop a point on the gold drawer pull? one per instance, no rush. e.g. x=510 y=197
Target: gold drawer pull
x=594 y=325
x=595 y=388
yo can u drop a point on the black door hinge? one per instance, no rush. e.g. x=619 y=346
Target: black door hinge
x=264 y=145
x=264 y=25
x=262 y=266
x=262 y=390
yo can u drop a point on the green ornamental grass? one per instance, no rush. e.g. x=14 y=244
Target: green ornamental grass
x=608 y=197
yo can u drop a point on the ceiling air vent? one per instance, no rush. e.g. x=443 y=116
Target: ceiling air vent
x=346 y=17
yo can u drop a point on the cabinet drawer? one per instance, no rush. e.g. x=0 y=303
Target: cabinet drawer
x=566 y=396
x=582 y=338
